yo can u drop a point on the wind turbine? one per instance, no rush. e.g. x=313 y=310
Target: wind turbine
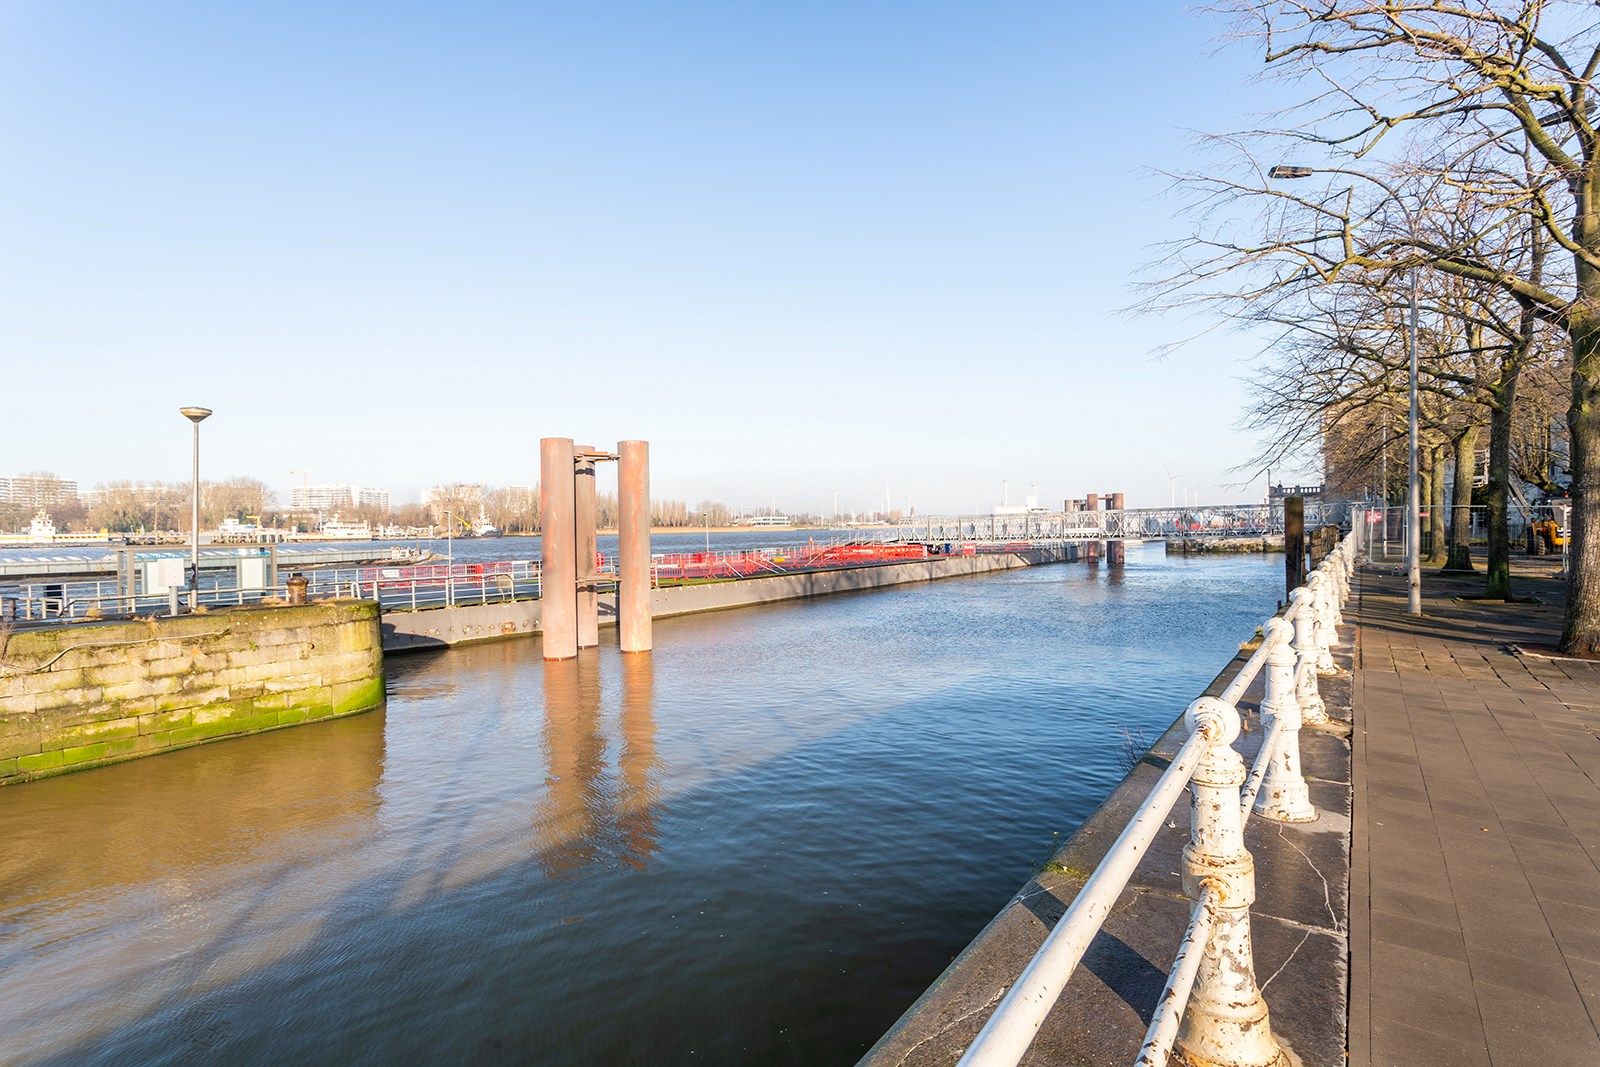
x=1172 y=488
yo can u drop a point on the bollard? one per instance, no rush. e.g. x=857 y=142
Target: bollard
x=1338 y=590
x=1307 y=698
x=1283 y=796
x=296 y=585
x=1226 y=1021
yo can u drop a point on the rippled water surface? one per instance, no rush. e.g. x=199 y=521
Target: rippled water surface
x=757 y=844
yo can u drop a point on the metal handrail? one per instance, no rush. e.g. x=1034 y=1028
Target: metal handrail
x=1219 y=872
x=1010 y=1030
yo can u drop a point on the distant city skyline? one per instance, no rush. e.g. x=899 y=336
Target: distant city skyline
x=39 y=489
x=795 y=257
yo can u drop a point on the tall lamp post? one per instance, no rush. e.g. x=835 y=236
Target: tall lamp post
x=196 y=416
x=1413 y=493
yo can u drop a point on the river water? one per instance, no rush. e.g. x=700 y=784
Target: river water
x=757 y=844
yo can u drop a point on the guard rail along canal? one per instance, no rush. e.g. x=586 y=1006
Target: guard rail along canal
x=1211 y=1009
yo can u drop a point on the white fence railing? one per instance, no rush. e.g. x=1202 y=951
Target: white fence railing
x=1211 y=1007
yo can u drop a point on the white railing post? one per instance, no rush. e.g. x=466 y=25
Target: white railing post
x=1337 y=590
x=1323 y=622
x=1283 y=796
x=1307 y=697
x=1226 y=1021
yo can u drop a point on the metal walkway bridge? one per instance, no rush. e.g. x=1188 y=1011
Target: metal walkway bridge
x=1126 y=524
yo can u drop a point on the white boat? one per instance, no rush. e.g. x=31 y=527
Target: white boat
x=336 y=530
x=43 y=528
x=483 y=527
x=233 y=532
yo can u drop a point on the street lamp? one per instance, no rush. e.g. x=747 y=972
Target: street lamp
x=1413 y=494
x=196 y=416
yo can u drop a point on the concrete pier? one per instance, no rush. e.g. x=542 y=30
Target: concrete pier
x=557 y=508
x=436 y=628
x=86 y=695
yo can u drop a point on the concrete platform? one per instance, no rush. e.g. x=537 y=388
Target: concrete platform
x=1475 y=893
x=435 y=628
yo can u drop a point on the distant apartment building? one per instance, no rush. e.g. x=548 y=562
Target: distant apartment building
x=452 y=493
x=327 y=499
x=37 y=490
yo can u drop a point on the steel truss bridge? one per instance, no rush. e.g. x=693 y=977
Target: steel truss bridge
x=1127 y=524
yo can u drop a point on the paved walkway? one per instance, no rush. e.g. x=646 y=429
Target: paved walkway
x=1475 y=890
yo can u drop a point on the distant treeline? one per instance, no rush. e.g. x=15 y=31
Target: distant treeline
x=125 y=507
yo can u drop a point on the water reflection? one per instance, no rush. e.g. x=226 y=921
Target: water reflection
x=131 y=889
x=670 y=836
x=638 y=797
x=586 y=816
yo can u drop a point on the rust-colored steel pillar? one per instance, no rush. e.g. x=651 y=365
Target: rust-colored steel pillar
x=558 y=581
x=633 y=546
x=1116 y=551
x=1294 y=543
x=583 y=496
x=1091 y=502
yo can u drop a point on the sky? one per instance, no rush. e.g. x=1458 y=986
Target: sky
x=802 y=249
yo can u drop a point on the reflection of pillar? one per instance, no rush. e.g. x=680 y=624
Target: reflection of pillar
x=567 y=822
x=558 y=607
x=636 y=804
x=633 y=546
x=583 y=509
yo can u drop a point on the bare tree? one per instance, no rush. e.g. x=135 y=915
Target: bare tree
x=1470 y=76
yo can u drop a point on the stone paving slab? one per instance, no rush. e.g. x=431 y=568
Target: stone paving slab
x=1475 y=890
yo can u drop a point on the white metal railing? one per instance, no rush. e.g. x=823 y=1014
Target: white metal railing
x=1211 y=1007
x=1197 y=522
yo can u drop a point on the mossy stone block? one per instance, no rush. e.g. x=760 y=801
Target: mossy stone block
x=39 y=761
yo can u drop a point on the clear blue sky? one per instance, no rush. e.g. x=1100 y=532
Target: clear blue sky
x=794 y=246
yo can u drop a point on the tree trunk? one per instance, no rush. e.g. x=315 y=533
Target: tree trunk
x=1497 y=579
x=1460 y=556
x=1581 y=635
x=1436 y=465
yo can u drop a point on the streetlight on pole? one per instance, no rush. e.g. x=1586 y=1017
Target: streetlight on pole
x=1413 y=489
x=195 y=416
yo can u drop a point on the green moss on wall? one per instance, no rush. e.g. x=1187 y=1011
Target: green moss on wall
x=103 y=693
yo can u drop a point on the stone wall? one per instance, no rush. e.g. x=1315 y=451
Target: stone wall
x=80 y=696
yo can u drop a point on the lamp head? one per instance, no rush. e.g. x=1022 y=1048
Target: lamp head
x=1290 y=171
x=194 y=414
